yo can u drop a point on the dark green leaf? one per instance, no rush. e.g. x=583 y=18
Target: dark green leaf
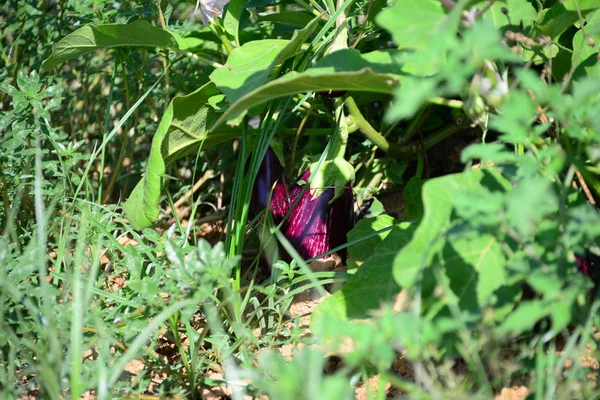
x=412 y=198
x=91 y=38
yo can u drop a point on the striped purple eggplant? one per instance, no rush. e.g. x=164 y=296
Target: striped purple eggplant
x=315 y=225
x=270 y=183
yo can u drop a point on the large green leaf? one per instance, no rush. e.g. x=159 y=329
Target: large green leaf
x=288 y=17
x=585 y=50
x=475 y=268
x=429 y=236
x=91 y=38
x=581 y=5
x=518 y=11
x=371 y=285
x=343 y=70
x=232 y=18
x=183 y=126
x=248 y=67
x=412 y=23
x=359 y=252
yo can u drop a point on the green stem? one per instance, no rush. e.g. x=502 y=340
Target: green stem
x=218 y=30
x=365 y=127
x=446 y=102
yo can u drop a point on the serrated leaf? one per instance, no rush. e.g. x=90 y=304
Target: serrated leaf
x=184 y=125
x=524 y=317
x=94 y=37
x=528 y=203
x=343 y=70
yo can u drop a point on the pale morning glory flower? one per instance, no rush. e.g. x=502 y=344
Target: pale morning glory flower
x=210 y=9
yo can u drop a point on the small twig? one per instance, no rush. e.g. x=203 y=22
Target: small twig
x=449 y=4
x=485 y=8
x=585 y=188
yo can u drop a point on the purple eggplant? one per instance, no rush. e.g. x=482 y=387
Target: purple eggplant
x=314 y=225
x=270 y=183
x=317 y=225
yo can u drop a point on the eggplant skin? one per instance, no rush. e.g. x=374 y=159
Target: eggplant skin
x=270 y=183
x=313 y=226
x=317 y=225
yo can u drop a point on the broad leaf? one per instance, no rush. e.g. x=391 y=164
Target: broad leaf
x=412 y=23
x=475 y=268
x=232 y=18
x=342 y=70
x=361 y=251
x=586 y=49
x=517 y=12
x=184 y=125
x=91 y=38
x=371 y=285
x=248 y=67
x=288 y=17
x=429 y=236
x=524 y=317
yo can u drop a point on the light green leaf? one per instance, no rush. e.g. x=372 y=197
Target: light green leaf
x=475 y=267
x=231 y=20
x=370 y=286
x=524 y=317
x=361 y=251
x=517 y=11
x=558 y=19
x=531 y=201
x=412 y=23
x=429 y=236
x=248 y=67
x=581 y=5
x=586 y=50
x=91 y=38
x=348 y=70
x=183 y=125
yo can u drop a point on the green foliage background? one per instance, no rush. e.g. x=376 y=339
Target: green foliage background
x=483 y=115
